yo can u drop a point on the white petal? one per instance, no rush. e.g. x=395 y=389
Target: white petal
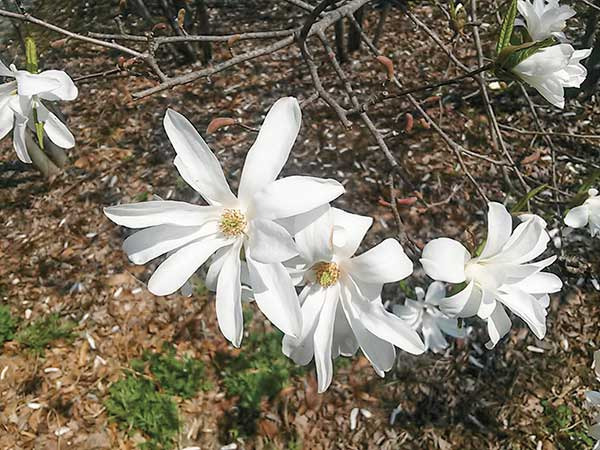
x=488 y=303
x=381 y=354
x=271 y=149
x=294 y=195
x=444 y=259
x=463 y=304
x=387 y=326
x=6 y=117
x=216 y=263
x=528 y=241
x=32 y=84
x=5 y=71
x=344 y=342
x=269 y=242
x=56 y=130
x=152 y=242
x=578 y=217
x=276 y=296
x=295 y=224
x=499 y=229
x=197 y=165
x=228 y=299
x=147 y=214
x=301 y=349
x=19 y=143
x=411 y=313
x=541 y=283
x=498 y=324
x=66 y=89
x=181 y=265
x=432 y=335
x=355 y=228
x=435 y=293
x=314 y=241
x=526 y=307
x=384 y=263
x=323 y=338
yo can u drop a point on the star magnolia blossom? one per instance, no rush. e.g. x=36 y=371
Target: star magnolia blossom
x=502 y=274
x=229 y=224
x=424 y=316
x=341 y=304
x=586 y=214
x=21 y=97
x=545 y=19
x=552 y=69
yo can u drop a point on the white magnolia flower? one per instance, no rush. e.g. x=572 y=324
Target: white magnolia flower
x=21 y=98
x=502 y=274
x=229 y=224
x=552 y=69
x=545 y=18
x=424 y=316
x=341 y=303
x=586 y=214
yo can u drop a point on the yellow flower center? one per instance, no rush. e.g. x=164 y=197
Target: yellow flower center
x=233 y=223
x=327 y=273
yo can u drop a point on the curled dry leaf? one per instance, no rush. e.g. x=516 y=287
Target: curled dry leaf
x=388 y=64
x=58 y=43
x=233 y=39
x=159 y=26
x=218 y=123
x=410 y=123
x=181 y=18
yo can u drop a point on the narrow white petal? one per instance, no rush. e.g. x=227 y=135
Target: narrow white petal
x=216 y=263
x=384 y=263
x=181 y=265
x=7 y=119
x=355 y=228
x=269 y=242
x=384 y=324
x=196 y=163
x=152 y=242
x=275 y=295
x=444 y=259
x=56 y=130
x=147 y=214
x=344 y=342
x=228 y=299
x=301 y=349
x=498 y=325
x=463 y=304
x=271 y=149
x=578 y=217
x=432 y=336
x=323 y=338
x=32 y=84
x=381 y=354
x=314 y=241
x=19 y=143
x=499 y=229
x=294 y=195
x=436 y=292
x=526 y=307
x=5 y=71
x=66 y=89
